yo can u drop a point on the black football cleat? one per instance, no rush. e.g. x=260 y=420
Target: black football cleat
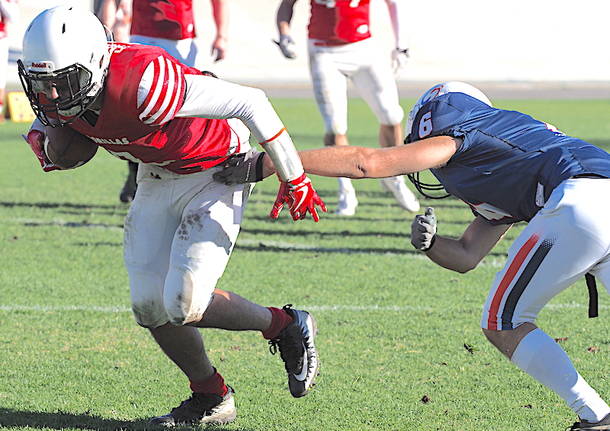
x=206 y=409
x=297 y=350
x=603 y=425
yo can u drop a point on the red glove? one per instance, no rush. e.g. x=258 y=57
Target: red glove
x=281 y=199
x=35 y=140
x=303 y=198
x=300 y=197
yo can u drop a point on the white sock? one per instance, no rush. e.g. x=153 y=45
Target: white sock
x=345 y=185
x=542 y=358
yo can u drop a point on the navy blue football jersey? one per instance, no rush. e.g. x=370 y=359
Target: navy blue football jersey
x=508 y=163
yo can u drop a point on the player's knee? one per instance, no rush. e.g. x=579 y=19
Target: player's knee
x=149 y=313
x=187 y=296
x=507 y=340
x=146 y=300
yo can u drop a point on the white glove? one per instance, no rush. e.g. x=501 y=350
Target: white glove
x=286 y=45
x=400 y=57
x=423 y=230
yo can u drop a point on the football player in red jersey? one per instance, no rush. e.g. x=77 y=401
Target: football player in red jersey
x=141 y=104
x=340 y=48
x=169 y=24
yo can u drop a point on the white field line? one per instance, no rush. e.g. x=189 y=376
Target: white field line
x=317 y=308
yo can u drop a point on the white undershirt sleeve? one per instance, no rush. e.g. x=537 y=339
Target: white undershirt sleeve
x=209 y=97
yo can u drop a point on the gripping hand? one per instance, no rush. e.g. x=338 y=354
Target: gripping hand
x=300 y=197
x=36 y=140
x=303 y=199
x=241 y=168
x=286 y=45
x=400 y=57
x=423 y=230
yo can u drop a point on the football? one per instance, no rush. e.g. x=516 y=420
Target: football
x=67 y=148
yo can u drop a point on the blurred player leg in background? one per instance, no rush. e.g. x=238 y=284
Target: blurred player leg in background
x=116 y=16
x=330 y=90
x=375 y=83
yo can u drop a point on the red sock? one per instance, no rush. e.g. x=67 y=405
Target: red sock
x=214 y=384
x=279 y=320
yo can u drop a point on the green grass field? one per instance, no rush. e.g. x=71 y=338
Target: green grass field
x=399 y=337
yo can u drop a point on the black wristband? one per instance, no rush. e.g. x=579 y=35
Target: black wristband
x=432 y=241
x=258 y=168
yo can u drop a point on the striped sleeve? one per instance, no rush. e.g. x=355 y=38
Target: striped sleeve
x=161 y=91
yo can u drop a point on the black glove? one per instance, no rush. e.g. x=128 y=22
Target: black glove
x=241 y=168
x=423 y=230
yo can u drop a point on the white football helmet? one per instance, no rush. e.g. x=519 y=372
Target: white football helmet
x=65 y=60
x=439 y=90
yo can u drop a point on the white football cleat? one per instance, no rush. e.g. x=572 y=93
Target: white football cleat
x=347 y=203
x=405 y=197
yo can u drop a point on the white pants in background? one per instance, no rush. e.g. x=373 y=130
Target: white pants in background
x=369 y=71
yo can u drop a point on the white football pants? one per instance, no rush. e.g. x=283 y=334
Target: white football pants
x=179 y=234
x=569 y=237
x=185 y=50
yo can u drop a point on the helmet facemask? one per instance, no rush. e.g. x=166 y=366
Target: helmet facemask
x=72 y=85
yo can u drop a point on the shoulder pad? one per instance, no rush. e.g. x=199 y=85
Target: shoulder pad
x=160 y=91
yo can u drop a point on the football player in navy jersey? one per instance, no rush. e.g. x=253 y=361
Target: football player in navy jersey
x=508 y=167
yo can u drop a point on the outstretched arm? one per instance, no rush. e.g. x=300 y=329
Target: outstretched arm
x=363 y=162
x=352 y=162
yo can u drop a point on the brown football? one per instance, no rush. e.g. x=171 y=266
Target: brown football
x=67 y=148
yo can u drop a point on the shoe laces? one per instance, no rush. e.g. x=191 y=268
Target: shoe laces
x=289 y=343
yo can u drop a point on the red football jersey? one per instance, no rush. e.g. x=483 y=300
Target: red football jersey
x=167 y=19
x=337 y=22
x=144 y=89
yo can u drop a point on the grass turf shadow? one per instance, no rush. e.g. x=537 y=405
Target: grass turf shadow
x=61 y=420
